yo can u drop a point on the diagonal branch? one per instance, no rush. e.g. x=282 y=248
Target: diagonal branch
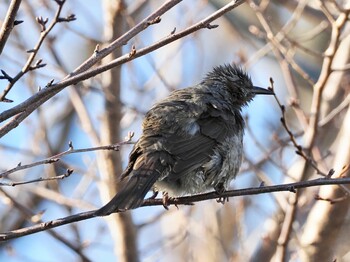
x=9 y=23
x=45 y=94
x=33 y=52
x=311 y=130
x=23 y=110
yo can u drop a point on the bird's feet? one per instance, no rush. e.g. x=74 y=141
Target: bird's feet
x=220 y=189
x=222 y=200
x=166 y=199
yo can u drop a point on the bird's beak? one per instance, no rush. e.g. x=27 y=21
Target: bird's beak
x=261 y=91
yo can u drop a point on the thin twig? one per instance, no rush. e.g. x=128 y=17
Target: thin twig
x=299 y=149
x=70 y=150
x=125 y=38
x=40 y=179
x=33 y=52
x=22 y=167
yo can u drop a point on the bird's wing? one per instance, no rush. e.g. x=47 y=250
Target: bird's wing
x=195 y=150
x=188 y=133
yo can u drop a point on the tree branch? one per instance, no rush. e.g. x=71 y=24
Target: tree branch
x=291 y=187
x=23 y=110
x=70 y=150
x=9 y=23
x=33 y=52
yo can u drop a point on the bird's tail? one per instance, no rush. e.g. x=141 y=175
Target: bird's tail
x=133 y=189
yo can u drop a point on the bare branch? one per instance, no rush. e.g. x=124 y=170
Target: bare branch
x=40 y=179
x=28 y=106
x=311 y=130
x=28 y=66
x=56 y=158
x=22 y=167
x=291 y=187
x=299 y=149
x=123 y=40
x=36 y=217
x=9 y=23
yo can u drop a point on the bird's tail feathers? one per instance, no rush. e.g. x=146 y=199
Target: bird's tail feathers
x=133 y=189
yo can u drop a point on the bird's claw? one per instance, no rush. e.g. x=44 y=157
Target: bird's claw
x=222 y=200
x=166 y=199
x=220 y=189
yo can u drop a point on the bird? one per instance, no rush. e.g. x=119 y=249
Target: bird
x=191 y=142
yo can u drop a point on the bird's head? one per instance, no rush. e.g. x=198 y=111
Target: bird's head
x=236 y=83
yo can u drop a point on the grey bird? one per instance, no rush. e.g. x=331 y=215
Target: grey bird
x=192 y=141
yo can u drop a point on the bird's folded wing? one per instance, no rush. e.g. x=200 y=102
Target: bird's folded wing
x=191 y=152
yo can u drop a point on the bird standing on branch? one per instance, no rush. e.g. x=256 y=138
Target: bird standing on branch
x=192 y=141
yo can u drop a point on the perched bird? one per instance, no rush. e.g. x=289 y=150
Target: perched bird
x=192 y=141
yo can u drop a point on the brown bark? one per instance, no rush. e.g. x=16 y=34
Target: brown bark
x=121 y=226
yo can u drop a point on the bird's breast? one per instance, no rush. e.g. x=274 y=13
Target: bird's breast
x=222 y=167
